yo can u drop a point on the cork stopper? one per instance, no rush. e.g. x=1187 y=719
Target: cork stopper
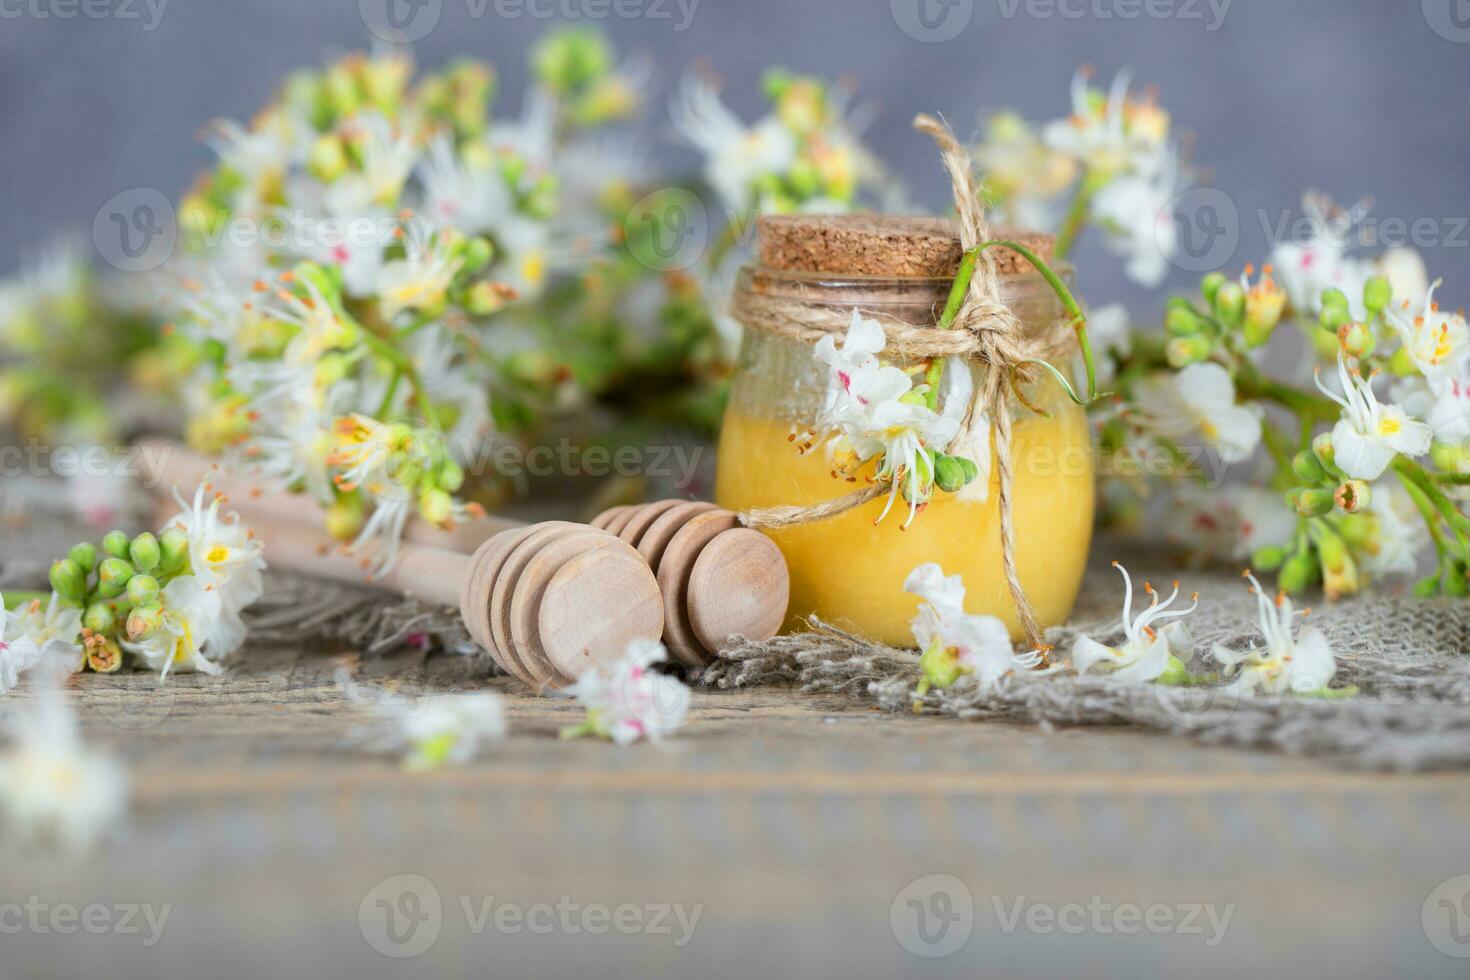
x=879 y=245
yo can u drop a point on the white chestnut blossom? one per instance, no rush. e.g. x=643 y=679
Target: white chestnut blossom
x=1399 y=535
x=445 y=730
x=736 y=156
x=627 y=700
x=39 y=635
x=979 y=646
x=54 y=790
x=1113 y=133
x=226 y=558
x=1288 y=664
x=1198 y=401
x=1319 y=261
x=878 y=414
x=192 y=619
x=1371 y=433
x=1136 y=211
x=1147 y=650
x=1437 y=342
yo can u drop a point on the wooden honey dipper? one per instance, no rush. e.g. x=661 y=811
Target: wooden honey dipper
x=718 y=578
x=545 y=600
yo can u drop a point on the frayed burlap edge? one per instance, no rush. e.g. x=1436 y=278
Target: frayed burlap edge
x=1407 y=658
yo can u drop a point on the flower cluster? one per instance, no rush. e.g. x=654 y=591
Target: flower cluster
x=172 y=600
x=876 y=417
x=1113 y=154
x=67 y=338
x=803 y=156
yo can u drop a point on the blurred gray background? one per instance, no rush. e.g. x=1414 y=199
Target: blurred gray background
x=1351 y=96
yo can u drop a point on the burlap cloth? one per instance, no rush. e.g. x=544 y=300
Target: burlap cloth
x=1409 y=658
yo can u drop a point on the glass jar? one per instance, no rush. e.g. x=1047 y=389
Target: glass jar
x=850 y=570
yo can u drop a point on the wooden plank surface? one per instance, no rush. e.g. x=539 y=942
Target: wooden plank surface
x=797 y=827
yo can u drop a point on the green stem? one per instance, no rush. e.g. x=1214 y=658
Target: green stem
x=385 y=349
x=1426 y=511
x=18 y=599
x=1075 y=220
x=957 y=294
x=1457 y=521
x=1070 y=306
x=1253 y=384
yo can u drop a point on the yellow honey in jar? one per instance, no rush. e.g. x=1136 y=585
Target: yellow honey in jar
x=850 y=570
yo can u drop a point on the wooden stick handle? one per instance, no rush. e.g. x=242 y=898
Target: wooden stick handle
x=165 y=465
x=420 y=570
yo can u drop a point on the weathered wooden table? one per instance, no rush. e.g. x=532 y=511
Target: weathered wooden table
x=777 y=834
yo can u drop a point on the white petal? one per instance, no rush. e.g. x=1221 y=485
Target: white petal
x=1360 y=457
x=1087 y=652
x=1313 y=664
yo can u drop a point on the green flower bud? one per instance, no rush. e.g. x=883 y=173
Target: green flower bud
x=1230 y=304
x=1210 y=286
x=142 y=590
x=1352 y=496
x=85 y=555
x=1300 y=573
x=144 y=621
x=331 y=368
x=1322 y=446
x=485 y=297
x=116 y=544
x=328 y=159
x=144 y=552
x=173 y=547
x=450 y=476
x=940 y=668
x=1401 y=363
x=345 y=517
x=1356 y=339
x=1334 y=298
x=477 y=254
x=99 y=618
x=1308 y=468
x=1377 y=294
x=1315 y=503
x=1268 y=559
x=104 y=656
x=804 y=179
x=112 y=577
x=1184 y=351
x=436 y=507
x=1334 y=318
x=1449 y=457
x=68 y=580
x=1182 y=320
x=569 y=59
x=953 y=473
